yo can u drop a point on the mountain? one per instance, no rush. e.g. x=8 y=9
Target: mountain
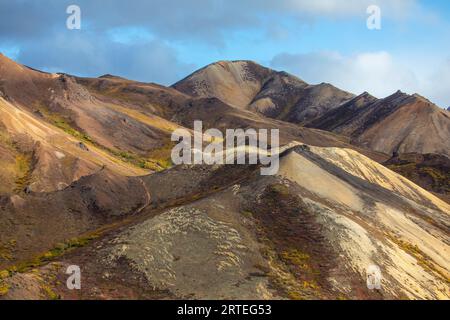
x=87 y=179
x=247 y=85
x=369 y=122
x=55 y=132
x=63 y=127
x=400 y=123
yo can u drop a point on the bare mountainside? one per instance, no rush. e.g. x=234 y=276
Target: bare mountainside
x=400 y=123
x=247 y=85
x=87 y=179
x=226 y=232
x=369 y=122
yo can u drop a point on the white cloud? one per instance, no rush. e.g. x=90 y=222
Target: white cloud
x=437 y=84
x=91 y=55
x=379 y=73
x=181 y=19
x=345 y=8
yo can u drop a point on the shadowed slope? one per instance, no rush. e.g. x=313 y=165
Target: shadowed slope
x=399 y=123
x=430 y=171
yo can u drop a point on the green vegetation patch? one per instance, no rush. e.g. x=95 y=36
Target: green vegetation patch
x=52 y=254
x=280 y=189
x=24 y=171
x=4 y=288
x=6 y=251
x=285 y=227
x=49 y=293
x=65 y=125
x=436 y=179
x=157 y=160
x=22 y=167
x=296 y=258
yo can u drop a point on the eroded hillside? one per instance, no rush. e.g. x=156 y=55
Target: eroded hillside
x=228 y=233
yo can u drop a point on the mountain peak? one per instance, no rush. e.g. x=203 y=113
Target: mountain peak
x=234 y=82
x=111 y=76
x=400 y=93
x=229 y=62
x=365 y=96
x=14 y=68
x=397 y=96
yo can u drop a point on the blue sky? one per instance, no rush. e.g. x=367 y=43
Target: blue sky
x=163 y=41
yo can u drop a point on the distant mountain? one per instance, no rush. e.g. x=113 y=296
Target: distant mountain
x=369 y=122
x=399 y=123
x=247 y=85
x=91 y=122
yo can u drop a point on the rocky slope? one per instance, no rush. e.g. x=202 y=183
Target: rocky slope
x=369 y=122
x=247 y=85
x=55 y=128
x=57 y=115
x=309 y=232
x=375 y=124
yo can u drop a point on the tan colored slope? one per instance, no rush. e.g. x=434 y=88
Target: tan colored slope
x=400 y=227
x=399 y=123
x=417 y=126
x=367 y=169
x=25 y=85
x=61 y=101
x=151 y=120
x=309 y=232
x=316 y=180
x=231 y=82
x=58 y=151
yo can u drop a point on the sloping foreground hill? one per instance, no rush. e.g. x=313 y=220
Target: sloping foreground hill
x=309 y=232
x=400 y=123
